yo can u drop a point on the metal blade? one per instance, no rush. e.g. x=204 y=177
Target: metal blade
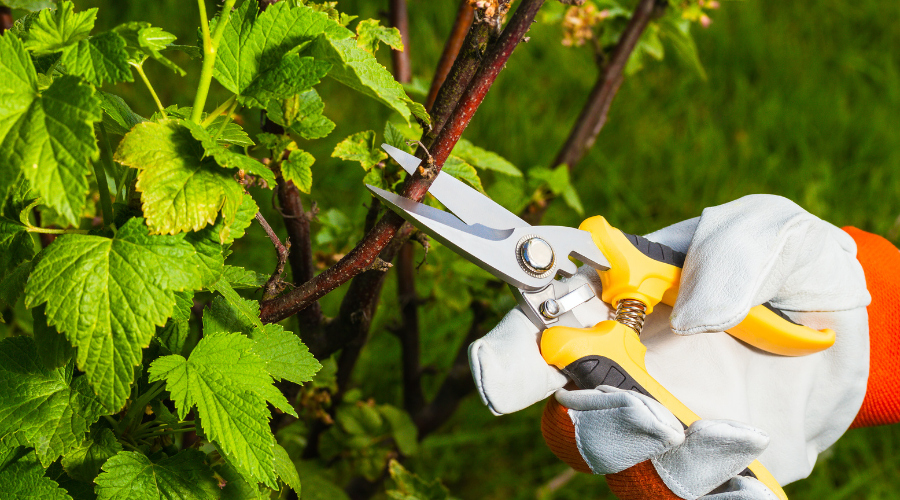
x=496 y=250
x=463 y=200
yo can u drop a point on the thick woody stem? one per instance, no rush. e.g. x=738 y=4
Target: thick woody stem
x=408 y=333
x=464 y=17
x=399 y=20
x=296 y=221
x=594 y=113
x=358 y=259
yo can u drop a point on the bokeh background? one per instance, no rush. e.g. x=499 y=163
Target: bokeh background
x=802 y=100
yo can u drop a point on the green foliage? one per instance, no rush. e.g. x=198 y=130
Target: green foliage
x=53 y=30
x=370 y=33
x=360 y=147
x=412 y=487
x=130 y=475
x=84 y=462
x=22 y=477
x=297 y=168
x=557 y=180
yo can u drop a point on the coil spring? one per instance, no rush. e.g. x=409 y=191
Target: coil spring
x=631 y=313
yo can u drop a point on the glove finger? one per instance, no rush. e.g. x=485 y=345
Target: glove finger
x=507 y=366
x=677 y=236
x=741 y=488
x=713 y=451
x=617 y=429
x=761 y=248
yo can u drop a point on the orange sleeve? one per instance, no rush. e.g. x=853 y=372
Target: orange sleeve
x=881 y=263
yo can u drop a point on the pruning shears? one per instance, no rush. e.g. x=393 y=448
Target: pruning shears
x=578 y=338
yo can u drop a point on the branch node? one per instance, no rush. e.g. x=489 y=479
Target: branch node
x=423 y=240
x=379 y=265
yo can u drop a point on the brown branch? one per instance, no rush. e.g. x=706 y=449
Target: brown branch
x=464 y=17
x=408 y=332
x=296 y=221
x=6 y=19
x=594 y=113
x=416 y=185
x=398 y=19
x=275 y=285
x=458 y=384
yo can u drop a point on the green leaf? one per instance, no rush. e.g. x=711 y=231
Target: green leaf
x=49 y=135
x=558 y=182
x=227 y=382
x=245 y=215
x=210 y=258
x=370 y=32
x=16 y=245
x=677 y=31
x=41 y=408
x=360 y=147
x=458 y=168
x=22 y=477
x=291 y=76
x=231 y=312
x=99 y=59
x=132 y=476
x=286 y=470
x=54 y=30
x=13 y=284
x=297 y=168
x=181 y=190
x=173 y=336
x=285 y=355
x=394 y=137
x=31 y=5
x=257 y=51
x=238 y=277
x=118 y=117
x=403 y=429
x=143 y=41
x=227 y=158
x=56 y=351
x=302 y=115
x=359 y=70
x=484 y=159
x=84 y=462
x=240 y=487
x=108 y=295
x=412 y=487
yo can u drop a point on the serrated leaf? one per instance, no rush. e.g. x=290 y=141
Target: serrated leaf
x=226 y=380
x=359 y=70
x=285 y=355
x=84 y=462
x=231 y=312
x=50 y=136
x=173 y=336
x=109 y=295
x=286 y=469
x=41 y=408
x=394 y=137
x=412 y=487
x=259 y=48
x=298 y=169
x=13 y=284
x=360 y=147
x=31 y=5
x=302 y=115
x=118 y=117
x=558 y=182
x=99 y=59
x=291 y=76
x=231 y=134
x=484 y=159
x=243 y=218
x=16 y=245
x=22 y=477
x=370 y=32
x=239 y=278
x=210 y=257
x=458 y=168
x=225 y=157
x=375 y=177
x=180 y=189
x=143 y=41
x=56 y=351
x=132 y=476
x=240 y=487
x=53 y=30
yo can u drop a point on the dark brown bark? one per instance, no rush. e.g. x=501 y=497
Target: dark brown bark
x=594 y=113
x=296 y=221
x=408 y=332
x=464 y=17
x=415 y=187
x=400 y=60
x=6 y=19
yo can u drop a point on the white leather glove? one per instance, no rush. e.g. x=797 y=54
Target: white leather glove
x=782 y=410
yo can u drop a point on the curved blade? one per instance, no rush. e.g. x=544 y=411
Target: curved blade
x=464 y=201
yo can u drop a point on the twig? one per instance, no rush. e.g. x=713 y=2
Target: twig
x=464 y=17
x=593 y=115
x=275 y=285
x=296 y=222
x=399 y=20
x=408 y=333
x=415 y=186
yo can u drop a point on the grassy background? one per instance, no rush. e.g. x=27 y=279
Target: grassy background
x=802 y=100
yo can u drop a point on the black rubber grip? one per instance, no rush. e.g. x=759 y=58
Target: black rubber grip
x=590 y=371
x=665 y=254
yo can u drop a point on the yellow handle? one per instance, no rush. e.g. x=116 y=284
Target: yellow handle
x=633 y=275
x=564 y=347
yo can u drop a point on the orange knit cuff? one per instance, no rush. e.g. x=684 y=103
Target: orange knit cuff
x=881 y=263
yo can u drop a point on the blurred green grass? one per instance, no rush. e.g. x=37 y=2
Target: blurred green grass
x=802 y=100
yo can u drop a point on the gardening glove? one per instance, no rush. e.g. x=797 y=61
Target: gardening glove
x=781 y=410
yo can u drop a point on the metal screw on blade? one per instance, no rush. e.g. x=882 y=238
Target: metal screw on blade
x=535 y=256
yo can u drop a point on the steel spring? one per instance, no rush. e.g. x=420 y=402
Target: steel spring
x=631 y=313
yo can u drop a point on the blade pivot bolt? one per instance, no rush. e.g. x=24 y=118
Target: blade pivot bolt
x=535 y=256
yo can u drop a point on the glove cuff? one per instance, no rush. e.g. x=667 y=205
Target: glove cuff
x=881 y=264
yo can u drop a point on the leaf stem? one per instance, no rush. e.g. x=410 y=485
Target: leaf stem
x=42 y=230
x=113 y=423
x=100 y=168
x=210 y=44
x=218 y=111
x=228 y=118
x=140 y=71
